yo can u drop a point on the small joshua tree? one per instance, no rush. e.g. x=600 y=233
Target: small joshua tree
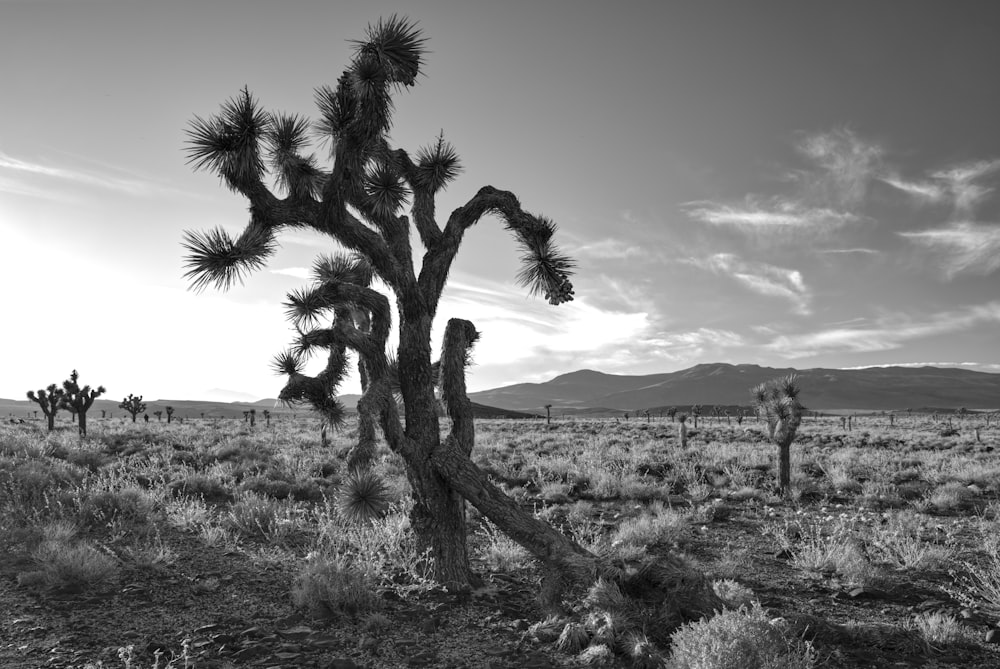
x=132 y=404
x=79 y=400
x=170 y=414
x=50 y=400
x=777 y=403
x=672 y=412
x=548 y=414
x=682 y=429
x=267 y=418
x=695 y=412
x=159 y=416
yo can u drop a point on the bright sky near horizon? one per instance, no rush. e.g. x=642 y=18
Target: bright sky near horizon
x=783 y=183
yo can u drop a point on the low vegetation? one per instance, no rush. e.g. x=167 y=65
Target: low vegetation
x=883 y=549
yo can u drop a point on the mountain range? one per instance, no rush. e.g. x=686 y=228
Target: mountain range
x=721 y=384
x=718 y=384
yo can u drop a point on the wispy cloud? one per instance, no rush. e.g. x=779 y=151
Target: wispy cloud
x=759 y=277
x=961 y=181
x=927 y=191
x=965 y=246
x=977 y=366
x=778 y=215
x=860 y=251
x=27 y=170
x=297 y=272
x=958 y=184
x=888 y=333
x=846 y=164
x=610 y=249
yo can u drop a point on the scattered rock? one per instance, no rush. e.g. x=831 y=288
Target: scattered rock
x=342 y=664
x=993 y=636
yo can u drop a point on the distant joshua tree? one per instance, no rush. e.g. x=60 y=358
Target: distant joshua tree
x=672 y=412
x=50 y=400
x=695 y=412
x=682 y=429
x=159 y=416
x=777 y=402
x=133 y=405
x=170 y=414
x=79 y=400
x=267 y=418
x=548 y=414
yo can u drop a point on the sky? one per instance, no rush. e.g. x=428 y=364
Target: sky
x=805 y=184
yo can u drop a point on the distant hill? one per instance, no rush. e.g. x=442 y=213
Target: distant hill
x=876 y=388
x=196 y=408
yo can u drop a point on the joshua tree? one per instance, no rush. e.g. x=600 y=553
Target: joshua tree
x=548 y=414
x=672 y=411
x=359 y=203
x=79 y=400
x=50 y=400
x=159 y=415
x=682 y=429
x=133 y=405
x=170 y=414
x=267 y=418
x=145 y=417
x=695 y=412
x=777 y=402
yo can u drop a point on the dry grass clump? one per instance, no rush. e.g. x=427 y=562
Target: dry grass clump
x=67 y=564
x=328 y=587
x=745 y=638
x=657 y=525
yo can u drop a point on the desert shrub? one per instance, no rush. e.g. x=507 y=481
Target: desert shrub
x=87 y=459
x=734 y=594
x=65 y=564
x=331 y=587
x=499 y=551
x=658 y=525
x=835 y=549
x=124 y=507
x=738 y=639
x=939 y=630
x=33 y=486
x=385 y=547
x=201 y=486
x=950 y=497
x=267 y=487
x=263 y=518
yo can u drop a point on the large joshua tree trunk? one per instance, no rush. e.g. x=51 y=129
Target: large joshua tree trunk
x=438 y=515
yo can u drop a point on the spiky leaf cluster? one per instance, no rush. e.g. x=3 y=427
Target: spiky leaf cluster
x=133 y=404
x=50 y=399
x=78 y=399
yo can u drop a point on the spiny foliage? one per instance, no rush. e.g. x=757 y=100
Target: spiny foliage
x=134 y=405
x=777 y=402
x=79 y=400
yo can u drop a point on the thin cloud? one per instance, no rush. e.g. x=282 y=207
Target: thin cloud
x=977 y=366
x=610 y=249
x=297 y=272
x=846 y=165
x=960 y=181
x=29 y=169
x=922 y=190
x=862 y=251
x=958 y=184
x=759 y=277
x=886 y=334
x=779 y=215
x=964 y=246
